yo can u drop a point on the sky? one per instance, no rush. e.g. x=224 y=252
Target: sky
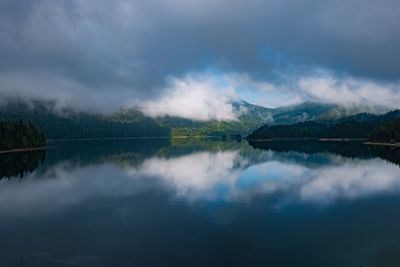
x=194 y=57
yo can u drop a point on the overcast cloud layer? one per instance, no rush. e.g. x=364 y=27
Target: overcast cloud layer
x=99 y=54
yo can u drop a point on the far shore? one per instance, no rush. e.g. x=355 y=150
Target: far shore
x=363 y=140
x=312 y=139
x=22 y=150
x=133 y=138
x=397 y=144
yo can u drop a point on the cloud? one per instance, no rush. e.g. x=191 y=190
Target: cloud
x=67 y=184
x=228 y=175
x=349 y=91
x=194 y=176
x=321 y=85
x=352 y=179
x=126 y=50
x=63 y=92
x=196 y=97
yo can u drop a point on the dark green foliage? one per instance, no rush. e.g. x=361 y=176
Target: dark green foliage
x=19 y=135
x=388 y=132
x=358 y=126
x=315 y=130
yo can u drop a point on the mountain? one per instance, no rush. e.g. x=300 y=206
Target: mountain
x=67 y=123
x=357 y=126
x=313 y=111
x=250 y=117
x=131 y=122
x=306 y=111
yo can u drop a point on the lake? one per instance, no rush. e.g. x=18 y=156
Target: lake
x=200 y=202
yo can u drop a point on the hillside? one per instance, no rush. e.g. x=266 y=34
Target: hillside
x=127 y=122
x=388 y=132
x=70 y=124
x=357 y=126
x=313 y=111
x=250 y=117
x=130 y=122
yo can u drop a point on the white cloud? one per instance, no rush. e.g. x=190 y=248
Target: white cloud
x=222 y=175
x=352 y=179
x=66 y=184
x=199 y=175
x=208 y=96
x=350 y=91
x=194 y=176
x=196 y=97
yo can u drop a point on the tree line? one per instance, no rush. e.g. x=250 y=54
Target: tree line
x=383 y=128
x=388 y=132
x=17 y=134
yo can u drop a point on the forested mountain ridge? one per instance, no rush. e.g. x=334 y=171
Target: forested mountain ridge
x=357 y=126
x=249 y=118
x=314 y=111
x=70 y=124
x=131 y=122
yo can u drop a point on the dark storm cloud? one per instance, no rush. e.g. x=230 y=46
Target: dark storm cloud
x=118 y=50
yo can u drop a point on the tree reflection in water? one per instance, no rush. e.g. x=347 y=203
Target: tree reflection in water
x=20 y=163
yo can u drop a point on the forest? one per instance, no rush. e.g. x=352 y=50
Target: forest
x=17 y=134
x=362 y=126
x=388 y=132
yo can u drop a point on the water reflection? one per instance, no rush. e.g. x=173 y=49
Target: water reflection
x=20 y=164
x=204 y=203
x=204 y=170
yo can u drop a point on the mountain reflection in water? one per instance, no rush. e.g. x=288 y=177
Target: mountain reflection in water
x=143 y=202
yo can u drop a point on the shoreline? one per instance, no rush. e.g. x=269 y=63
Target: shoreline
x=311 y=139
x=343 y=139
x=131 y=138
x=382 y=144
x=16 y=150
x=363 y=140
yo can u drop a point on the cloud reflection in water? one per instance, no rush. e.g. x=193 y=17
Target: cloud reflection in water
x=204 y=176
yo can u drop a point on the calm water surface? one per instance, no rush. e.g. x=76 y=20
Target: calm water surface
x=201 y=203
